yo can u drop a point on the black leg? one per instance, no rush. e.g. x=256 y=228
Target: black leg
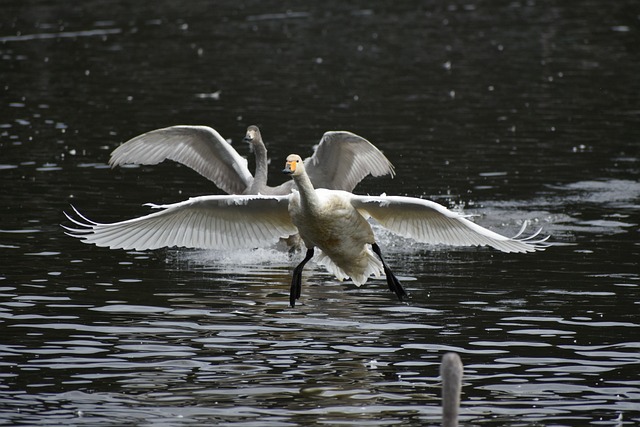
x=296 y=280
x=392 y=280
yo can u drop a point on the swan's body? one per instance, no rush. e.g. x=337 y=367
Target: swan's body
x=334 y=221
x=451 y=371
x=340 y=161
x=330 y=221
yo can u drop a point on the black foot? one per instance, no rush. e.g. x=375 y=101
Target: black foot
x=296 y=280
x=392 y=281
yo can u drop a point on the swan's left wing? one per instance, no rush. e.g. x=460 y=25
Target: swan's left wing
x=342 y=159
x=430 y=222
x=207 y=222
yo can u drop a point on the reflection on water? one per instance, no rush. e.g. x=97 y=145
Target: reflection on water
x=187 y=336
x=511 y=113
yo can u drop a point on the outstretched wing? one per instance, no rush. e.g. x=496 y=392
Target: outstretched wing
x=341 y=160
x=206 y=222
x=430 y=222
x=199 y=147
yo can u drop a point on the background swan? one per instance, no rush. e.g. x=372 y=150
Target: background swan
x=334 y=221
x=340 y=161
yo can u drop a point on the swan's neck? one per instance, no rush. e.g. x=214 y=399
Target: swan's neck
x=260 y=177
x=451 y=371
x=308 y=196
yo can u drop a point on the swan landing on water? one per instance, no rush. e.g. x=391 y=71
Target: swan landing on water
x=333 y=221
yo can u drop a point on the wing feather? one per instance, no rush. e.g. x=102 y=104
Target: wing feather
x=199 y=147
x=207 y=222
x=429 y=222
x=342 y=159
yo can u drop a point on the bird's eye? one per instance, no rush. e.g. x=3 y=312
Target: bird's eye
x=297 y=161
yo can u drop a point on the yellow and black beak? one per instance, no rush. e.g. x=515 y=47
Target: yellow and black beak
x=289 y=167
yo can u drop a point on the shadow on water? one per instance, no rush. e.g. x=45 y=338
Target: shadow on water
x=509 y=112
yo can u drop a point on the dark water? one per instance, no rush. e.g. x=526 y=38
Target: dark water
x=511 y=110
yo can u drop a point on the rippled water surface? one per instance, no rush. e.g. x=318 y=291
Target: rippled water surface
x=509 y=111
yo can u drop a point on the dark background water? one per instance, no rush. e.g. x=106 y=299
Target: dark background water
x=511 y=110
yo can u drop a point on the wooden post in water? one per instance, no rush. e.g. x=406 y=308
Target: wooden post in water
x=451 y=373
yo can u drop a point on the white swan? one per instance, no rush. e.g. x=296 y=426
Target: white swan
x=340 y=161
x=451 y=370
x=334 y=221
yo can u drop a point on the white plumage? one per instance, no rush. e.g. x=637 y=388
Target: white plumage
x=333 y=221
x=206 y=222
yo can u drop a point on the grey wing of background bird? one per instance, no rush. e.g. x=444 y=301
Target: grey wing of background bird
x=341 y=160
x=199 y=147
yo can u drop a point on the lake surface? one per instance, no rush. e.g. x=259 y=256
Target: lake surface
x=507 y=110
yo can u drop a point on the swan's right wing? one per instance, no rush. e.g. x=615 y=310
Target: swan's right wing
x=206 y=222
x=199 y=147
x=342 y=159
x=430 y=222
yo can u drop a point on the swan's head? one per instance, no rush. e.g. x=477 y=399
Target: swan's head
x=253 y=135
x=294 y=165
